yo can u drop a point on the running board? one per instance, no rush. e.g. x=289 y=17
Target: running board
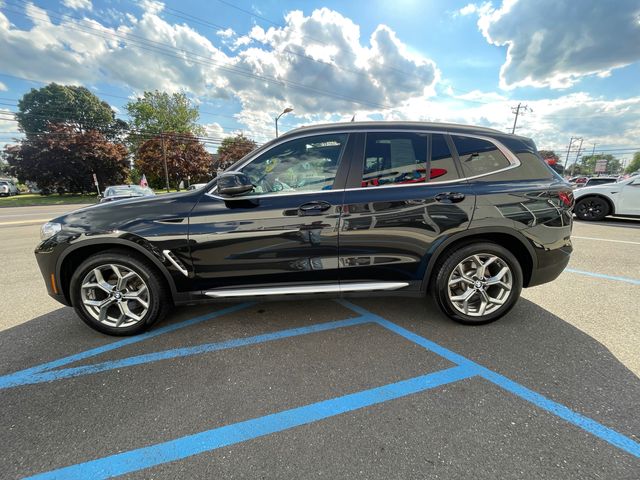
x=335 y=288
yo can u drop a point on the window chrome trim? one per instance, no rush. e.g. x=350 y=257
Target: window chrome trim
x=333 y=288
x=513 y=160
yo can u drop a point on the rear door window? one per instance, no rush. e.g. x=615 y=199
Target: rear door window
x=395 y=159
x=443 y=167
x=478 y=156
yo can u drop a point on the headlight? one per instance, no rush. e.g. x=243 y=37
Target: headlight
x=49 y=229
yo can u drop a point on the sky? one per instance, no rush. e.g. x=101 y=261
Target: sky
x=575 y=66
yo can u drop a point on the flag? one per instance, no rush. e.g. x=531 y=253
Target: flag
x=143 y=181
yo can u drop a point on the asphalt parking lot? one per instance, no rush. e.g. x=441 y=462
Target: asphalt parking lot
x=375 y=388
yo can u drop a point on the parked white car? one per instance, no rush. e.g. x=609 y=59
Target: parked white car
x=620 y=199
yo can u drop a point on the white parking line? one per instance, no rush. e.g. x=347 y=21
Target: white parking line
x=606 y=240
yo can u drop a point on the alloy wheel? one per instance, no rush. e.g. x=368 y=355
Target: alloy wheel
x=591 y=208
x=480 y=284
x=115 y=295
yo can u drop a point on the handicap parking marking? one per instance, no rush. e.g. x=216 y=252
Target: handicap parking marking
x=31 y=378
x=206 y=441
x=21 y=377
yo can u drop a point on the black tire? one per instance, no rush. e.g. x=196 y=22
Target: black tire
x=158 y=296
x=452 y=258
x=591 y=209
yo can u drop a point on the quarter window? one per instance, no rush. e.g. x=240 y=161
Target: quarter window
x=394 y=158
x=301 y=165
x=479 y=157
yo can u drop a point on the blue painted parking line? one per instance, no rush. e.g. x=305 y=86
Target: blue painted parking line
x=540 y=401
x=210 y=440
x=633 y=281
x=15 y=380
x=18 y=378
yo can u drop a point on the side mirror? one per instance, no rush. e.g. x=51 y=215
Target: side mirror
x=234 y=183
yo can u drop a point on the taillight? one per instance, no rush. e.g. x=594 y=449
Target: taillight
x=566 y=197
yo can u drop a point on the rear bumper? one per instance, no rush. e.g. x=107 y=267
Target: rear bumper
x=551 y=264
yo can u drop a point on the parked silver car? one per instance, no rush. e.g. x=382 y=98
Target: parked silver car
x=122 y=192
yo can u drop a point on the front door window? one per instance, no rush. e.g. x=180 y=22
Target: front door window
x=302 y=165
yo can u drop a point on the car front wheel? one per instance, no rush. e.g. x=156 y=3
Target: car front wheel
x=477 y=283
x=118 y=293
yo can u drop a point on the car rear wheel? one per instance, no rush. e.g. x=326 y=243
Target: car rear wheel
x=477 y=283
x=118 y=294
x=591 y=208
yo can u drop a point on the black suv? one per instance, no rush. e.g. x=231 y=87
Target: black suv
x=377 y=208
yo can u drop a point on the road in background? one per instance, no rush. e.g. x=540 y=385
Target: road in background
x=26 y=215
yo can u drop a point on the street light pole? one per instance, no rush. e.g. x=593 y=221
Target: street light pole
x=286 y=110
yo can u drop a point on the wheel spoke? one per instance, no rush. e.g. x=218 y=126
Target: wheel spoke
x=135 y=297
x=101 y=282
x=485 y=301
x=104 y=308
x=127 y=313
x=122 y=281
x=497 y=278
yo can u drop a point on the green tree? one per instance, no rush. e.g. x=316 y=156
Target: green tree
x=75 y=107
x=186 y=157
x=588 y=163
x=157 y=113
x=66 y=159
x=232 y=149
x=634 y=166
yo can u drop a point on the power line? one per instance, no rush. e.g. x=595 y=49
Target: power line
x=165 y=49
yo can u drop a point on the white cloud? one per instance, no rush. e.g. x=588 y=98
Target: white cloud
x=553 y=43
x=319 y=64
x=228 y=33
x=213 y=130
x=78 y=4
x=3 y=87
x=552 y=122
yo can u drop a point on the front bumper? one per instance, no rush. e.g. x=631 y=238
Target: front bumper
x=47 y=257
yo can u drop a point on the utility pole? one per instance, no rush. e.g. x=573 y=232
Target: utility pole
x=164 y=158
x=566 y=160
x=573 y=166
x=516 y=111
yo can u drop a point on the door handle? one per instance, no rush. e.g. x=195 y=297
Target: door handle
x=449 y=197
x=313 y=208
